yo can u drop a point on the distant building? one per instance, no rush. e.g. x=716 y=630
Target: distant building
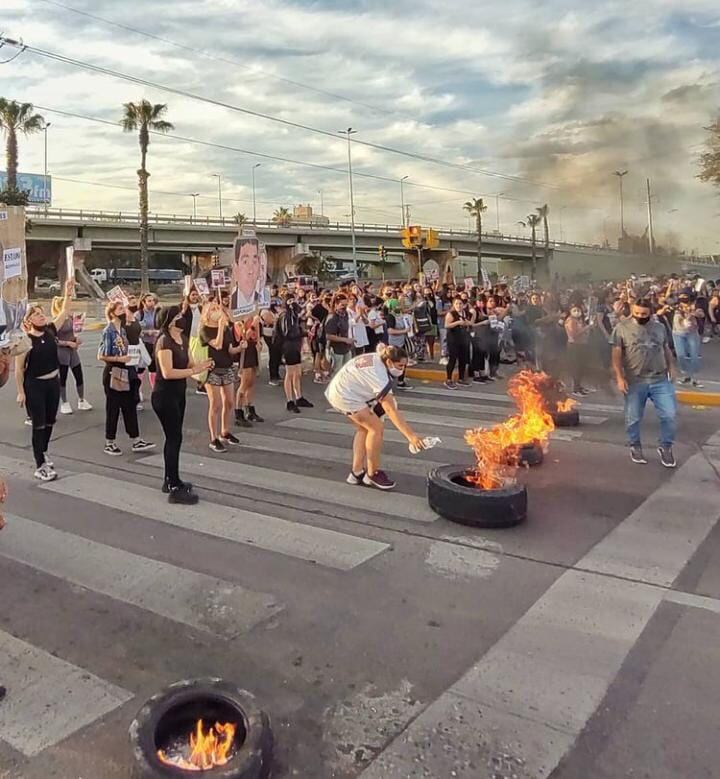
x=304 y=215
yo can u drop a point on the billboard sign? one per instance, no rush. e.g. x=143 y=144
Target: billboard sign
x=36 y=184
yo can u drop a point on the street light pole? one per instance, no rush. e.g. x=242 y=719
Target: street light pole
x=620 y=174
x=256 y=165
x=497 y=208
x=218 y=176
x=322 y=204
x=194 y=196
x=46 y=193
x=350 y=132
x=402 y=200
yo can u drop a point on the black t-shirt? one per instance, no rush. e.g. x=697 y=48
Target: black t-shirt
x=133 y=329
x=180 y=360
x=338 y=325
x=43 y=356
x=222 y=357
x=319 y=312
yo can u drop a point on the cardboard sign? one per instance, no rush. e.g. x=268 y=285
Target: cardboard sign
x=218 y=279
x=248 y=275
x=485 y=277
x=134 y=354
x=12 y=263
x=117 y=295
x=202 y=287
x=187 y=285
x=431 y=270
x=3 y=216
x=469 y=283
x=70 y=261
x=78 y=321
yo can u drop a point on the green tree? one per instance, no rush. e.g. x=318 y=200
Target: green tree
x=476 y=207
x=282 y=216
x=710 y=158
x=532 y=221
x=144 y=117
x=543 y=212
x=240 y=220
x=16 y=118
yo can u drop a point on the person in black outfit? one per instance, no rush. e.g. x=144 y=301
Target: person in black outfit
x=37 y=374
x=458 y=326
x=175 y=366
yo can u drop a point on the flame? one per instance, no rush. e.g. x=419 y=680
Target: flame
x=566 y=405
x=207 y=750
x=497 y=448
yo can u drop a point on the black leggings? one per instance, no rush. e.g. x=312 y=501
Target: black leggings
x=493 y=358
x=170 y=409
x=458 y=352
x=79 y=381
x=275 y=356
x=477 y=363
x=42 y=398
x=115 y=402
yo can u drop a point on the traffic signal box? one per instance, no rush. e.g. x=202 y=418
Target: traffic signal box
x=414 y=237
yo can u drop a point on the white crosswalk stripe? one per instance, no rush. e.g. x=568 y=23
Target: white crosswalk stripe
x=49 y=699
x=267 y=479
x=294 y=539
x=194 y=599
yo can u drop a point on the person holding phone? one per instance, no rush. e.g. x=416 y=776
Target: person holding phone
x=174 y=367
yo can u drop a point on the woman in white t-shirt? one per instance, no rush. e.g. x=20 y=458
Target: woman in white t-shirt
x=362 y=390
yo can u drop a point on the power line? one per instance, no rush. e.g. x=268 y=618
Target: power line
x=258 y=114
x=225 y=60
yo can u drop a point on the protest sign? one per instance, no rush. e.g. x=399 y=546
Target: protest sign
x=218 y=280
x=202 y=287
x=485 y=277
x=117 y=295
x=248 y=275
x=12 y=263
x=431 y=270
x=469 y=283
x=187 y=285
x=134 y=354
x=70 y=261
x=78 y=321
x=3 y=216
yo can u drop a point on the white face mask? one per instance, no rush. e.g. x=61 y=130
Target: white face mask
x=396 y=371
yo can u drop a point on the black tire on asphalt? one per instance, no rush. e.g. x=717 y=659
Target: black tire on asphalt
x=251 y=760
x=471 y=506
x=566 y=418
x=530 y=454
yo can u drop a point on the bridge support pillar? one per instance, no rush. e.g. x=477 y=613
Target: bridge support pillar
x=279 y=257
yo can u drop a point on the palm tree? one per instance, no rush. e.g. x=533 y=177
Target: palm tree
x=532 y=221
x=16 y=118
x=144 y=117
x=240 y=220
x=543 y=212
x=282 y=216
x=476 y=207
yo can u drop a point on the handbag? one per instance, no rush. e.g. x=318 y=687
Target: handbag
x=145 y=358
x=120 y=379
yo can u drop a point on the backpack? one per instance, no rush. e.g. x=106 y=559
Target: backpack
x=423 y=323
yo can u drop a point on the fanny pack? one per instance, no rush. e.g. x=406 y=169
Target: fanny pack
x=120 y=379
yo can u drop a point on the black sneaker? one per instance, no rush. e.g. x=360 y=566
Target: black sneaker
x=201 y=390
x=229 y=438
x=355 y=479
x=379 y=479
x=253 y=415
x=667 y=458
x=290 y=405
x=685 y=380
x=450 y=385
x=480 y=380
x=304 y=403
x=142 y=446
x=637 y=456
x=403 y=386
x=112 y=449
x=166 y=487
x=182 y=495
x=695 y=383
x=240 y=420
x=217 y=447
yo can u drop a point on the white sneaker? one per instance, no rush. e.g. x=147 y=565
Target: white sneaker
x=443 y=361
x=83 y=405
x=45 y=473
x=706 y=339
x=140 y=407
x=28 y=422
x=65 y=408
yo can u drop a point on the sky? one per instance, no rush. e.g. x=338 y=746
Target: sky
x=521 y=103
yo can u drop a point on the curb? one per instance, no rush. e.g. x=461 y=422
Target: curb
x=686 y=397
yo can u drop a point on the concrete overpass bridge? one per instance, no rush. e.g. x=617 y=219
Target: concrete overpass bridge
x=53 y=229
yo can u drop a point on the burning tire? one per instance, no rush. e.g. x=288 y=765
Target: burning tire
x=530 y=454
x=452 y=496
x=566 y=418
x=169 y=717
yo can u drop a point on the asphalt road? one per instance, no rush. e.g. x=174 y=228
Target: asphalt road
x=382 y=640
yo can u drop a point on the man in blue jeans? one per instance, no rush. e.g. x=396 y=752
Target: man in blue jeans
x=644 y=369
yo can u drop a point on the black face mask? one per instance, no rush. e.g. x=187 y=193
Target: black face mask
x=123 y=319
x=642 y=320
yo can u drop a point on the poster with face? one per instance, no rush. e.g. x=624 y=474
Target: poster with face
x=13 y=274
x=248 y=274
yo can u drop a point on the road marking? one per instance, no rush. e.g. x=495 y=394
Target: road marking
x=391 y=504
x=295 y=539
x=194 y=599
x=434 y=421
x=521 y=707
x=656 y=541
x=334 y=454
x=48 y=698
x=480 y=409
x=490 y=397
x=696 y=601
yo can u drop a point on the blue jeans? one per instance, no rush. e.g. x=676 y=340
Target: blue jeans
x=687 y=348
x=662 y=395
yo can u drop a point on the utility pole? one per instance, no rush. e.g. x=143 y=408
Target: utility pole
x=350 y=132
x=407 y=214
x=218 y=176
x=256 y=165
x=47 y=188
x=620 y=174
x=651 y=233
x=322 y=204
x=497 y=208
x=194 y=196
x=402 y=201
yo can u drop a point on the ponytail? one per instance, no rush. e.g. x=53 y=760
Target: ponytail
x=391 y=353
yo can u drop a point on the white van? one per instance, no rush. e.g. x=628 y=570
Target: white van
x=99 y=275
